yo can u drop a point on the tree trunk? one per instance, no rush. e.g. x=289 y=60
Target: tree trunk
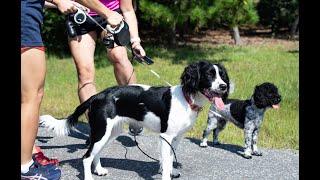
x=294 y=27
x=172 y=36
x=183 y=30
x=236 y=35
x=135 y=5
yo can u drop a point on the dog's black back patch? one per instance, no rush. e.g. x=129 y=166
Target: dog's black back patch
x=238 y=109
x=117 y=100
x=158 y=101
x=135 y=102
x=128 y=102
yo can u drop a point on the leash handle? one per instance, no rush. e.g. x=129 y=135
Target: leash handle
x=116 y=29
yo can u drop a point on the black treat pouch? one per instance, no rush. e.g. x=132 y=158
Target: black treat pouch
x=122 y=38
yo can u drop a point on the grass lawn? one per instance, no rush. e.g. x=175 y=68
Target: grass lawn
x=248 y=66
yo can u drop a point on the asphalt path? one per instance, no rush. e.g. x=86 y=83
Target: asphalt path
x=125 y=161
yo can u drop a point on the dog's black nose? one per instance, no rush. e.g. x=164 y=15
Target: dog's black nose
x=222 y=87
x=278 y=99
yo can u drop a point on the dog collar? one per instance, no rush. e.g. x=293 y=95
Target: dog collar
x=193 y=106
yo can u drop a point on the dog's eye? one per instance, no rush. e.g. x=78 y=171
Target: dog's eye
x=279 y=98
x=210 y=73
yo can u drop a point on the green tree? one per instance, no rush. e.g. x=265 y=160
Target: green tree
x=279 y=14
x=54 y=32
x=235 y=13
x=192 y=15
x=177 y=15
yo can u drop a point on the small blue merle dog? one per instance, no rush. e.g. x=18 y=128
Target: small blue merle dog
x=246 y=114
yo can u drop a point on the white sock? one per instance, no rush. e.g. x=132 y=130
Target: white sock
x=25 y=167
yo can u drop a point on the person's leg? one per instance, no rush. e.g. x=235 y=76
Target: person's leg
x=82 y=49
x=123 y=69
x=33 y=69
x=40 y=158
x=124 y=73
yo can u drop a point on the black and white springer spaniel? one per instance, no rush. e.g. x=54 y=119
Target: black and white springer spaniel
x=245 y=114
x=169 y=111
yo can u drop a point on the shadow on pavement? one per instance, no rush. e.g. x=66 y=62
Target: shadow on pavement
x=126 y=141
x=228 y=147
x=144 y=169
x=43 y=139
x=70 y=148
x=83 y=130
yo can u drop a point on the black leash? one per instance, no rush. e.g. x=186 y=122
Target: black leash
x=174 y=153
x=135 y=140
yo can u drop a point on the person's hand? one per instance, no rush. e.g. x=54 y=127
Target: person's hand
x=66 y=6
x=138 y=49
x=84 y=8
x=114 y=18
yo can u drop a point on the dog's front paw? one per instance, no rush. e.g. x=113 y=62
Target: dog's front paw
x=166 y=178
x=101 y=171
x=88 y=178
x=203 y=144
x=247 y=156
x=216 y=143
x=257 y=153
x=175 y=173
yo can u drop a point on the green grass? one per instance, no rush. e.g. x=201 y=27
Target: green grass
x=247 y=67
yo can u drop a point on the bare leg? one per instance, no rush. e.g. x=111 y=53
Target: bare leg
x=82 y=49
x=123 y=69
x=33 y=70
x=34 y=149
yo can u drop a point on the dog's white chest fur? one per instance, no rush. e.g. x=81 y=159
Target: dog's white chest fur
x=181 y=117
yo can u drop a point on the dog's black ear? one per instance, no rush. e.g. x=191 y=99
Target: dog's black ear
x=190 y=78
x=224 y=76
x=259 y=96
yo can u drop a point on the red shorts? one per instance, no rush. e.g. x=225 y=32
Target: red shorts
x=24 y=49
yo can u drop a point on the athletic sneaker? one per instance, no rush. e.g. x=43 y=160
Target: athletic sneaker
x=40 y=158
x=36 y=171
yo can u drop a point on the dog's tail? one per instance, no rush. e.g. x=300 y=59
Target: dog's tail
x=62 y=127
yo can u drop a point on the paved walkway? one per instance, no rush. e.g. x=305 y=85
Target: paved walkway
x=124 y=160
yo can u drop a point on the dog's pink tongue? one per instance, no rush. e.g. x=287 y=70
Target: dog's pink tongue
x=219 y=103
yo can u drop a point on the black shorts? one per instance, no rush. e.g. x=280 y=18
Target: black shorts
x=90 y=25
